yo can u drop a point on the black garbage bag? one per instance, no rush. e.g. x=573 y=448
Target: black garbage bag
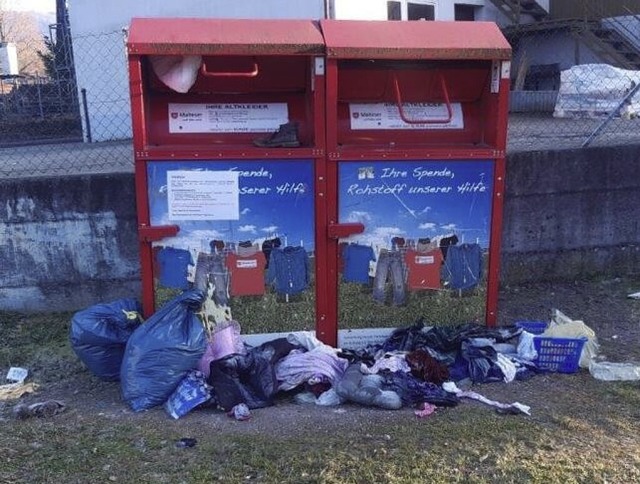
x=450 y=338
x=249 y=378
x=99 y=335
x=406 y=339
x=413 y=391
x=161 y=352
x=481 y=362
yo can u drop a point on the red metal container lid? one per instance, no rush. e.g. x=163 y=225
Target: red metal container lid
x=358 y=39
x=197 y=36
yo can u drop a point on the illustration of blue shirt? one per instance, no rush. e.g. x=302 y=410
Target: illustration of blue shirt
x=463 y=267
x=356 y=262
x=288 y=270
x=174 y=265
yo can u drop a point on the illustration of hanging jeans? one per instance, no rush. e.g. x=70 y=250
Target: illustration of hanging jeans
x=389 y=265
x=463 y=267
x=211 y=270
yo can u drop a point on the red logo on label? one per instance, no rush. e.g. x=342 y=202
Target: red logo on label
x=356 y=115
x=174 y=115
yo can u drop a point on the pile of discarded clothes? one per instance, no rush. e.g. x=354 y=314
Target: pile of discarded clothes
x=172 y=360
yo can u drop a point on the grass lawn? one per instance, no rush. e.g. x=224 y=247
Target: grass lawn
x=580 y=430
x=357 y=309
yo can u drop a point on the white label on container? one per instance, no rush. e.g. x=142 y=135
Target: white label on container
x=506 y=69
x=203 y=195
x=495 y=76
x=247 y=264
x=387 y=116
x=227 y=117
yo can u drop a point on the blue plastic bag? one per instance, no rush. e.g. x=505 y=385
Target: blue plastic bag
x=161 y=352
x=99 y=335
x=191 y=392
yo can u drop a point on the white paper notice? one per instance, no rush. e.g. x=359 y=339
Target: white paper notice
x=227 y=117
x=387 y=116
x=203 y=195
x=495 y=76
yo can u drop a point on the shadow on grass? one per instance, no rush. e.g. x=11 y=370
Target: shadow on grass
x=272 y=313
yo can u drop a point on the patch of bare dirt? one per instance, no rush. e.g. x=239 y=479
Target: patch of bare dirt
x=602 y=305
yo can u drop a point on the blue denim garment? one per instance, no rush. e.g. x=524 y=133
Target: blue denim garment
x=462 y=268
x=211 y=269
x=288 y=270
x=389 y=265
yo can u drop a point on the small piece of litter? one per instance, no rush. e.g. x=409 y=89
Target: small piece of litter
x=185 y=442
x=17 y=374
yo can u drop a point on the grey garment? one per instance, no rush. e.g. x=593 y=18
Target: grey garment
x=427 y=247
x=248 y=251
x=366 y=390
x=327 y=399
x=211 y=270
x=389 y=265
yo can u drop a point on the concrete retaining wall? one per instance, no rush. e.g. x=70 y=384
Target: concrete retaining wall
x=572 y=214
x=69 y=242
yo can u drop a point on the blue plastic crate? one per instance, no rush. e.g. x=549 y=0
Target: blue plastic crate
x=533 y=327
x=560 y=355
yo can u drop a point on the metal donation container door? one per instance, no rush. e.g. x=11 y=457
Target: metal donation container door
x=228 y=119
x=416 y=129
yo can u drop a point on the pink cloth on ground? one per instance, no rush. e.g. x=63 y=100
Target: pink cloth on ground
x=426 y=410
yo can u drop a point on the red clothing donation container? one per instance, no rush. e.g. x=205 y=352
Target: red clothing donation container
x=416 y=116
x=228 y=125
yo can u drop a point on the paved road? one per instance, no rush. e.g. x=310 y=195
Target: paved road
x=526 y=133
x=66 y=159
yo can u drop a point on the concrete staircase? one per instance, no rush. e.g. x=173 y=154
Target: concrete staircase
x=612 y=41
x=515 y=9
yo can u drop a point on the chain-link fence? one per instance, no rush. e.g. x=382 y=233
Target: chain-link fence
x=575 y=82
x=74 y=118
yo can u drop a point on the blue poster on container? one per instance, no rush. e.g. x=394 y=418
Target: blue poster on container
x=275 y=198
x=418 y=199
x=246 y=233
x=427 y=227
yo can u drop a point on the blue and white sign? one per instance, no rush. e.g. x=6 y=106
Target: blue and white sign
x=417 y=199
x=274 y=198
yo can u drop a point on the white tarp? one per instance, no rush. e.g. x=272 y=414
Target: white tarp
x=593 y=90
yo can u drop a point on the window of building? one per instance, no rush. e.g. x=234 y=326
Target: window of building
x=465 y=12
x=394 y=11
x=416 y=10
x=420 y=11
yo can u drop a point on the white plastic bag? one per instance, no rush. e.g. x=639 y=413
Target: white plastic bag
x=608 y=371
x=179 y=72
x=526 y=347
